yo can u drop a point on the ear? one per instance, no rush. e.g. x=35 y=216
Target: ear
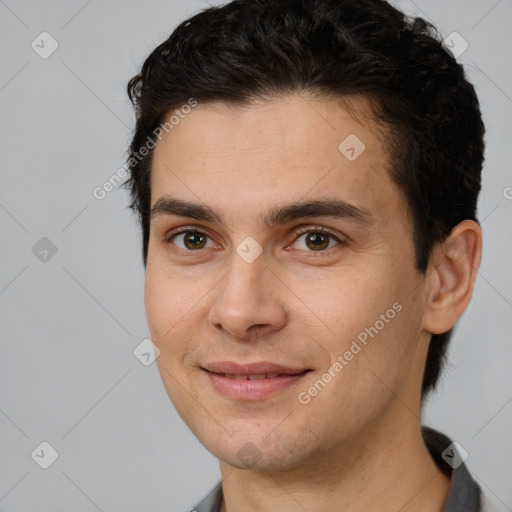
x=451 y=276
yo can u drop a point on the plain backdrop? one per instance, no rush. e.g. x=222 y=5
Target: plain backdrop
x=71 y=273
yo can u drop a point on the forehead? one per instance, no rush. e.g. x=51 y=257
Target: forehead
x=286 y=149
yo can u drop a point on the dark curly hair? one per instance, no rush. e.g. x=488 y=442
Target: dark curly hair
x=257 y=49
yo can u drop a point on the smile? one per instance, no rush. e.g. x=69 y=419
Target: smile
x=251 y=382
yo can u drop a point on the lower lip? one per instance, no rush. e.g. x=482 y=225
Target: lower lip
x=251 y=389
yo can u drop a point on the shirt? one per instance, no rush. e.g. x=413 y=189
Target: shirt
x=464 y=494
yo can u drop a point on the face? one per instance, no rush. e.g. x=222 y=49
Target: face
x=281 y=288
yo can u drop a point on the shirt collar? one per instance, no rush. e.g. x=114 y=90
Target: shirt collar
x=464 y=493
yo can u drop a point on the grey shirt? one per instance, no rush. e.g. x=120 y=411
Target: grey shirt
x=464 y=494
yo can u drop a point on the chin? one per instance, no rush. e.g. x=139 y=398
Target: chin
x=256 y=447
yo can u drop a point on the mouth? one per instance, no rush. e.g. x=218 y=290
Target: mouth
x=256 y=381
x=260 y=376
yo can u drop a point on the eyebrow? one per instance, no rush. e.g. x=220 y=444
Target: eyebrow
x=334 y=208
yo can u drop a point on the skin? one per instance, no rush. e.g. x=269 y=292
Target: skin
x=352 y=446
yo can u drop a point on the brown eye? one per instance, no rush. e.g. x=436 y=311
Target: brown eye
x=191 y=240
x=195 y=240
x=316 y=241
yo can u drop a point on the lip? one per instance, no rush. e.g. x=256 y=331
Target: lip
x=281 y=377
x=261 y=367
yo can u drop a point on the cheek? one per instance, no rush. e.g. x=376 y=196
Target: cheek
x=167 y=318
x=155 y=300
x=175 y=311
x=370 y=318
x=349 y=300
x=389 y=346
x=162 y=302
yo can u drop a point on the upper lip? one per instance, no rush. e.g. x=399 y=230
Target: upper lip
x=260 y=368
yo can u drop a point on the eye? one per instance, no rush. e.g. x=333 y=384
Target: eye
x=191 y=240
x=316 y=240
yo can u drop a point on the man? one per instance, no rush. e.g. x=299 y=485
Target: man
x=306 y=173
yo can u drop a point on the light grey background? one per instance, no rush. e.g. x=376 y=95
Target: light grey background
x=68 y=375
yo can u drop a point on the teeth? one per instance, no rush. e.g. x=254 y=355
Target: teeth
x=261 y=376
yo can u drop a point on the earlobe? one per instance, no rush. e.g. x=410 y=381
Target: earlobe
x=452 y=276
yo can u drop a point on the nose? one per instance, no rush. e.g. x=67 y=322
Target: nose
x=247 y=300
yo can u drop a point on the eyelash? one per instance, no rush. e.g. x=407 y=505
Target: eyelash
x=321 y=230
x=297 y=234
